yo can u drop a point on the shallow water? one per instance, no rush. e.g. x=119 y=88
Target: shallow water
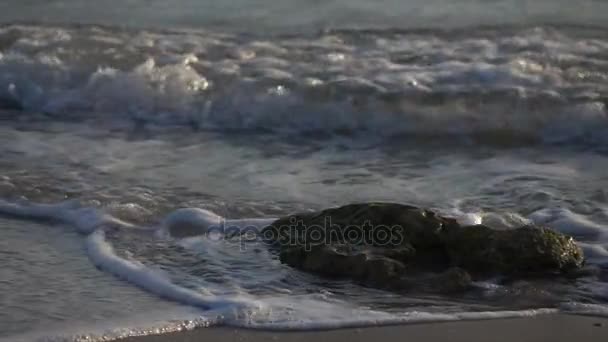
x=142 y=180
x=107 y=131
x=48 y=284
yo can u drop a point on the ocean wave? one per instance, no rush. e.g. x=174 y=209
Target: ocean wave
x=527 y=85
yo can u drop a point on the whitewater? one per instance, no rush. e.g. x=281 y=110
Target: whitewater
x=122 y=125
x=277 y=311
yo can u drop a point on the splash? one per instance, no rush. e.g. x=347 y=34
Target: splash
x=485 y=85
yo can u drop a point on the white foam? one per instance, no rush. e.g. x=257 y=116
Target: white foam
x=103 y=256
x=314 y=315
x=504 y=220
x=595 y=252
x=232 y=306
x=465 y=219
x=93 y=222
x=570 y=223
x=449 y=91
x=155 y=322
x=196 y=221
x=585 y=309
x=85 y=220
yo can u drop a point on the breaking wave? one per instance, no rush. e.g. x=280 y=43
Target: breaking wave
x=508 y=84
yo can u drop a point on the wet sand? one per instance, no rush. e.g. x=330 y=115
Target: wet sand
x=555 y=328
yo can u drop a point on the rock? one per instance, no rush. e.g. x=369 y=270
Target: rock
x=525 y=250
x=401 y=247
x=10 y=103
x=387 y=225
x=452 y=280
x=455 y=279
x=345 y=261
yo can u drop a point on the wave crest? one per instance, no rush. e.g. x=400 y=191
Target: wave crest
x=527 y=85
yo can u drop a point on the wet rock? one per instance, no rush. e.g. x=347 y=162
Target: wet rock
x=521 y=251
x=452 y=280
x=373 y=224
x=401 y=247
x=455 y=279
x=10 y=103
x=345 y=261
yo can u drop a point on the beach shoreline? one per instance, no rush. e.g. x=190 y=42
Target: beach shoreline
x=551 y=327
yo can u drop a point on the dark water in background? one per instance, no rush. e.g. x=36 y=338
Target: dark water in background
x=262 y=15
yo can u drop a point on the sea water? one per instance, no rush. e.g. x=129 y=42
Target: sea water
x=119 y=121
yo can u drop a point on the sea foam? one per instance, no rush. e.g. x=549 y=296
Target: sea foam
x=279 y=311
x=482 y=86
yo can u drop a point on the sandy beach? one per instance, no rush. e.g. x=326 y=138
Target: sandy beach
x=556 y=328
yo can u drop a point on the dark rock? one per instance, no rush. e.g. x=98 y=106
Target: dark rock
x=402 y=247
x=452 y=280
x=372 y=224
x=10 y=103
x=345 y=261
x=455 y=279
x=525 y=250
